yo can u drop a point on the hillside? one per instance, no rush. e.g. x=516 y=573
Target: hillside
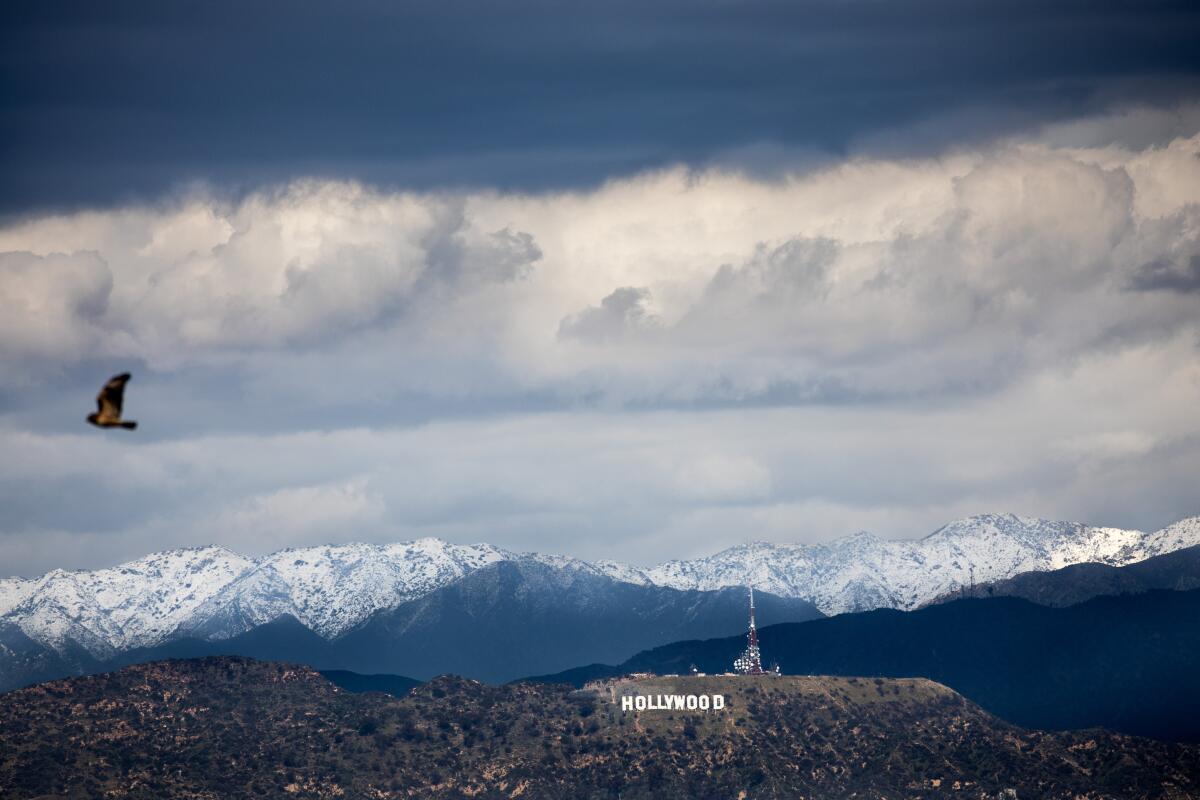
x=233 y=728
x=1128 y=663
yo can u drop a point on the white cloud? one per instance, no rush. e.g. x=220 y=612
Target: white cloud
x=288 y=269
x=875 y=277
x=53 y=306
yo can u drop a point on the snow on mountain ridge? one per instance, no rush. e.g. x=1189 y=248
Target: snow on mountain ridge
x=1174 y=537
x=215 y=593
x=860 y=572
x=336 y=587
x=138 y=602
x=13 y=591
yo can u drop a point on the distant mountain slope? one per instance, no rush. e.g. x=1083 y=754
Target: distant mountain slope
x=24 y=661
x=1178 y=571
x=239 y=728
x=1129 y=663
x=498 y=621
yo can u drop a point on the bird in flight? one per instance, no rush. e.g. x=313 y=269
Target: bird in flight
x=108 y=405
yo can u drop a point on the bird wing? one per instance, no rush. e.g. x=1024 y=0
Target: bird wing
x=108 y=402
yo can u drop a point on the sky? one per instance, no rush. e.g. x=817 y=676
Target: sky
x=626 y=281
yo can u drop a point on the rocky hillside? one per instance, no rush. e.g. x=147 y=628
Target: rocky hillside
x=233 y=728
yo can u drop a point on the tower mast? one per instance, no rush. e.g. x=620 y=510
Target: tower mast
x=750 y=661
x=753 y=629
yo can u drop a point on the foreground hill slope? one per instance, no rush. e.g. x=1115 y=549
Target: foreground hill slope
x=1128 y=663
x=232 y=728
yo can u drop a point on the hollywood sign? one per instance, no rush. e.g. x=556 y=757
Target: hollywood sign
x=672 y=702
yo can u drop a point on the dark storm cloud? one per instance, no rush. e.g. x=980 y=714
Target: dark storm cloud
x=101 y=102
x=1164 y=275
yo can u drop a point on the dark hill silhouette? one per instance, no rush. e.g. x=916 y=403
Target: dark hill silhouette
x=1127 y=663
x=395 y=685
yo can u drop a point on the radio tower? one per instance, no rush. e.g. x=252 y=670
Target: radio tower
x=750 y=661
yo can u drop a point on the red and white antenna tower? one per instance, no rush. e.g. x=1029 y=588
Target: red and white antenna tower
x=750 y=661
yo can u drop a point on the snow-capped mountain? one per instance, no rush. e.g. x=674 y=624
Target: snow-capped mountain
x=138 y=602
x=1184 y=533
x=213 y=593
x=331 y=589
x=216 y=593
x=862 y=571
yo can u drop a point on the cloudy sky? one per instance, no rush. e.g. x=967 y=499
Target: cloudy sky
x=629 y=281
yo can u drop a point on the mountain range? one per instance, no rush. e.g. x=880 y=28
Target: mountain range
x=496 y=623
x=417 y=608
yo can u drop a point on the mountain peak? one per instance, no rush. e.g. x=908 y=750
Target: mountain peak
x=860 y=536
x=863 y=571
